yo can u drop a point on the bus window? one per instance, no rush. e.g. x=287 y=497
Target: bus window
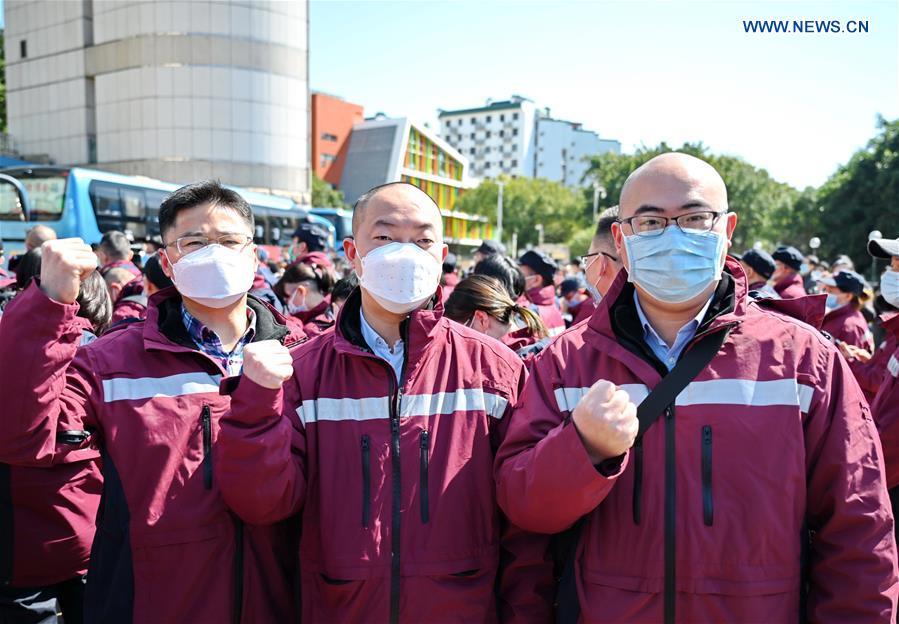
x=47 y=196
x=10 y=206
x=154 y=199
x=119 y=207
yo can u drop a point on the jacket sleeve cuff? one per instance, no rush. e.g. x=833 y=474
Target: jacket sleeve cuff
x=50 y=312
x=250 y=402
x=586 y=470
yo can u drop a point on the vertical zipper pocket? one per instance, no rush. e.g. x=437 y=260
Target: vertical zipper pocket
x=707 y=509
x=366 y=480
x=638 y=479
x=423 y=469
x=206 y=420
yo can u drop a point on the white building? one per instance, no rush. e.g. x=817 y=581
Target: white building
x=497 y=138
x=512 y=137
x=564 y=149
x=176 y=90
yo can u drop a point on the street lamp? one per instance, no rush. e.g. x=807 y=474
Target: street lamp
x=499 y=212
x=598 y=190
x=539 y=228
x=814 y=242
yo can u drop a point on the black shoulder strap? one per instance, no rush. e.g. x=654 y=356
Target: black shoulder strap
x=568 y=608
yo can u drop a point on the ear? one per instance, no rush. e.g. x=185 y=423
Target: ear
x=349 y=248
x=618 y=237
x=731 y=226
x=443 y=254
x=480 y=320
x=165 y=263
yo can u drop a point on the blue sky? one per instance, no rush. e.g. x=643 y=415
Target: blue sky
x=797 y=105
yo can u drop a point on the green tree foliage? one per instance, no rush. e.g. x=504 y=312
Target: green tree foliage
x=326 y=196
x=526 y=203
x=863 y=195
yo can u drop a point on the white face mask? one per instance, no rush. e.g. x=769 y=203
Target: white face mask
x=214 y=276
x=889 y=287
x=400 y=276
x=293 y=307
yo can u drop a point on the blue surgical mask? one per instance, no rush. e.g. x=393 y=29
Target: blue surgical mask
x=675 y=266
x=832 y=302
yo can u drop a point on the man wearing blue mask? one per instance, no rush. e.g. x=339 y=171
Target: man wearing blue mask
x=749 y=484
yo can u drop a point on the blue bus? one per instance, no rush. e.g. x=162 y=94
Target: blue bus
x=86 y=203
x=341 y=219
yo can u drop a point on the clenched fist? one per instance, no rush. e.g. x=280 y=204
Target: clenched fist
x=607 y=421
x=65 y=263
x=267 y=363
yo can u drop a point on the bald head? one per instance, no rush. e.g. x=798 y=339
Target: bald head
x=673 y=182
x=397 y=196
x=38 y=235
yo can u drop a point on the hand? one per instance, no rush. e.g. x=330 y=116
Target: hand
x=267 y=363
x=606 y=419
x=851 y=352
x=65 y=263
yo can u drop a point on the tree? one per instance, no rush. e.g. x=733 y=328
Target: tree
x=861 y=196
x=528 y=202
x=326 y=196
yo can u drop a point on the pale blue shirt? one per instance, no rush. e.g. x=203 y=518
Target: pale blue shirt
x=684 y=335
x=379 y=346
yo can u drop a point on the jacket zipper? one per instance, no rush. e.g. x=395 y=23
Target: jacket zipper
x=425 y=506
x=366 y=480
x=638 y=479
x=396 y=503
x=238 y=570
x=670 y=511
x=206 y=420
x=707 y=509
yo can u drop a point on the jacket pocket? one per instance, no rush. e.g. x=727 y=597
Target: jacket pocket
x=707 y=508
x=366 y=480
x=424 y=445
x=206 y=422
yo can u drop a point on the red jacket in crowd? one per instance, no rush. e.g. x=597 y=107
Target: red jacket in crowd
x=318 y=320
x=790 y=287
x=543 y=299
x=869 y=374
x=131 y=303
x=848 y=325
x=885 y=405
x=393 y=477
x=48 y=513
x=168 y=548
x=582 y=311
x=449 y=283
x=710 y=513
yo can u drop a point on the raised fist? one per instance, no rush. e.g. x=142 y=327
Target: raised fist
x=65 y=263
x=606 y=419
x=267 y=363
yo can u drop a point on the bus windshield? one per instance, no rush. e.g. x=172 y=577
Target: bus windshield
x=46 y=192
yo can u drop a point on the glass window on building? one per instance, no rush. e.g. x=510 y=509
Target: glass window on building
x=488 y=118
x=473 y=120
x=515 y=132
x=515 y=116
x=502 y=117
x=488 y=134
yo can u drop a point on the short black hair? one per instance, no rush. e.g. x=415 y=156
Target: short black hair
x=94 y=303
x=28 y=266
x=604 y=224
x=344 y=287
x=198 y=194
x=115 y=245
x=370 y=194
x=505 y=270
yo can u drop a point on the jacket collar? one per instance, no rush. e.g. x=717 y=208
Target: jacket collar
x=544 y=295
x=165 y=330
x=844 y=311
x=417 y=329
x=786 y=282
x=308 y=315
x=890 y=322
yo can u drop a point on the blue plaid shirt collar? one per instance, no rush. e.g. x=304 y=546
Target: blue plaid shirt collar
x=209 y=343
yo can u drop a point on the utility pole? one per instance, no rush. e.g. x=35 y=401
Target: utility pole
x=499 y=212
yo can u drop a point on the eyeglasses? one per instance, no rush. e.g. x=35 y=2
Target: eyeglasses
x=583 y=259
x=190 y=244
x=693 y=223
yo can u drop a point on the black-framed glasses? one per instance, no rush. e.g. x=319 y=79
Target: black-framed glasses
x=692 y=223
x=583 y=259
x=190 y=244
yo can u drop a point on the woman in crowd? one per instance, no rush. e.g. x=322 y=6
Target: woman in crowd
x=844 y=320
x=305 y=290
x=482 y=303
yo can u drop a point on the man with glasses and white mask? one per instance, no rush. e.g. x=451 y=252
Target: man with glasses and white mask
x=383 y=438
x=168 y=548
x=748 y=486
x=601 y=262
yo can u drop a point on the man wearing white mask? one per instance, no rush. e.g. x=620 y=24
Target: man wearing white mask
x=383 y=438
x=148 y=397
x=748 y=486
x=601 y=263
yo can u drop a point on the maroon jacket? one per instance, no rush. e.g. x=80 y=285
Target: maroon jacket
x=709 y=512
x=131 y=303
x=885 y=406
x=122 y=264
x=582 y=311
x=47 y=518
x=543 y=300
x=168 y=549
x=393 y=478
x=848 y=325
x=790 y=287
x=869 y=374
x=317 y=320
x=449 y=283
